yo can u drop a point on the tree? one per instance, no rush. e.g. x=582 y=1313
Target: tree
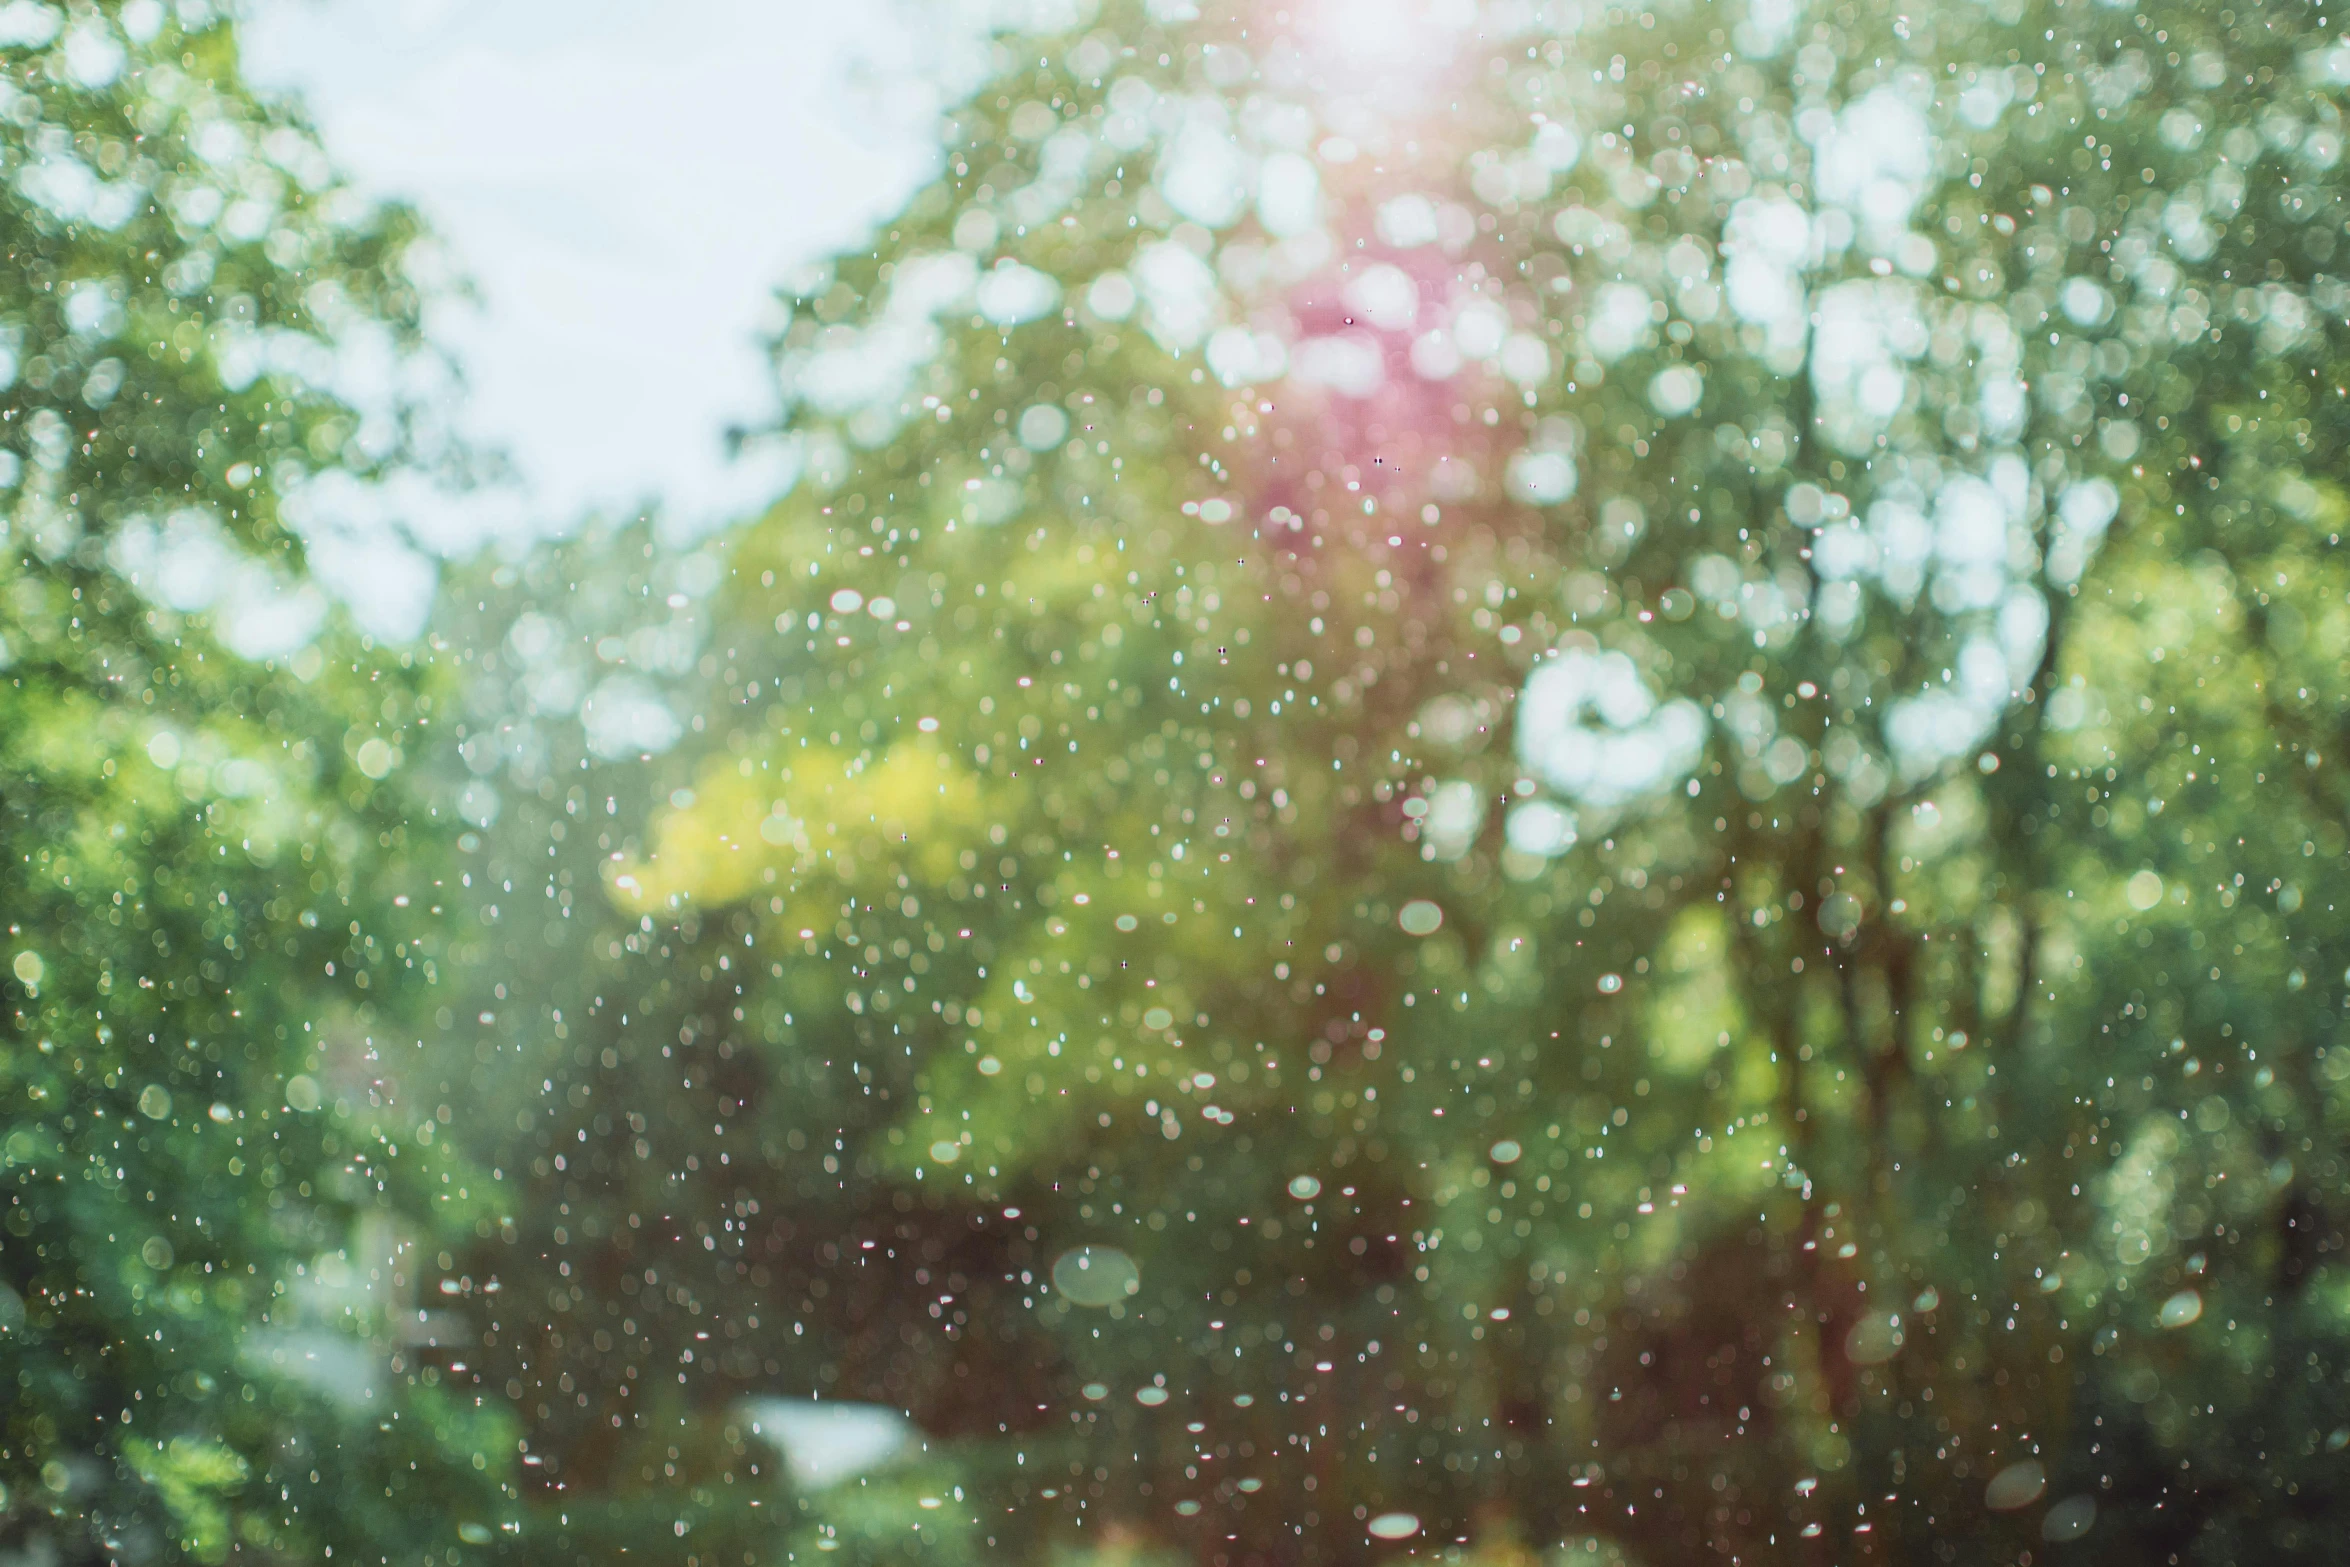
x=217 y=896
x=1398 y=840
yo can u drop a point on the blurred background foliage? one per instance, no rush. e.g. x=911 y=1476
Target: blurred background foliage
x=1514 y=780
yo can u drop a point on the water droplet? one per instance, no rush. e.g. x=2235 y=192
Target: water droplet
x=1874 y=1339
x=1840 y=914
x=847 y=601
x=1305 y=1187
x=2069 y=1519
x=2181 y=1309
x=1419 y=918
x=1505 y=1152
x=2018 y=1485
x=1096 y=1276
x=1394 y=1526
x=154 y=1101
x=1043 y=427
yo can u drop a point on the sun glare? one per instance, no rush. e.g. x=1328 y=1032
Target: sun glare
x=1385 y=46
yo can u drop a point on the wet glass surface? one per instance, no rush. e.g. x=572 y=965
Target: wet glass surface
x=1510 y=781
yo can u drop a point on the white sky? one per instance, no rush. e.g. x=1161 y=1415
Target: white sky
x=624 y=184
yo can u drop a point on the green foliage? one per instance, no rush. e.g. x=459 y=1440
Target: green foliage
x=216 y=902
x=1568 y=789
x=1710 y=885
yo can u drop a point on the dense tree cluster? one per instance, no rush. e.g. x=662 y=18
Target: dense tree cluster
x=223 y=909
